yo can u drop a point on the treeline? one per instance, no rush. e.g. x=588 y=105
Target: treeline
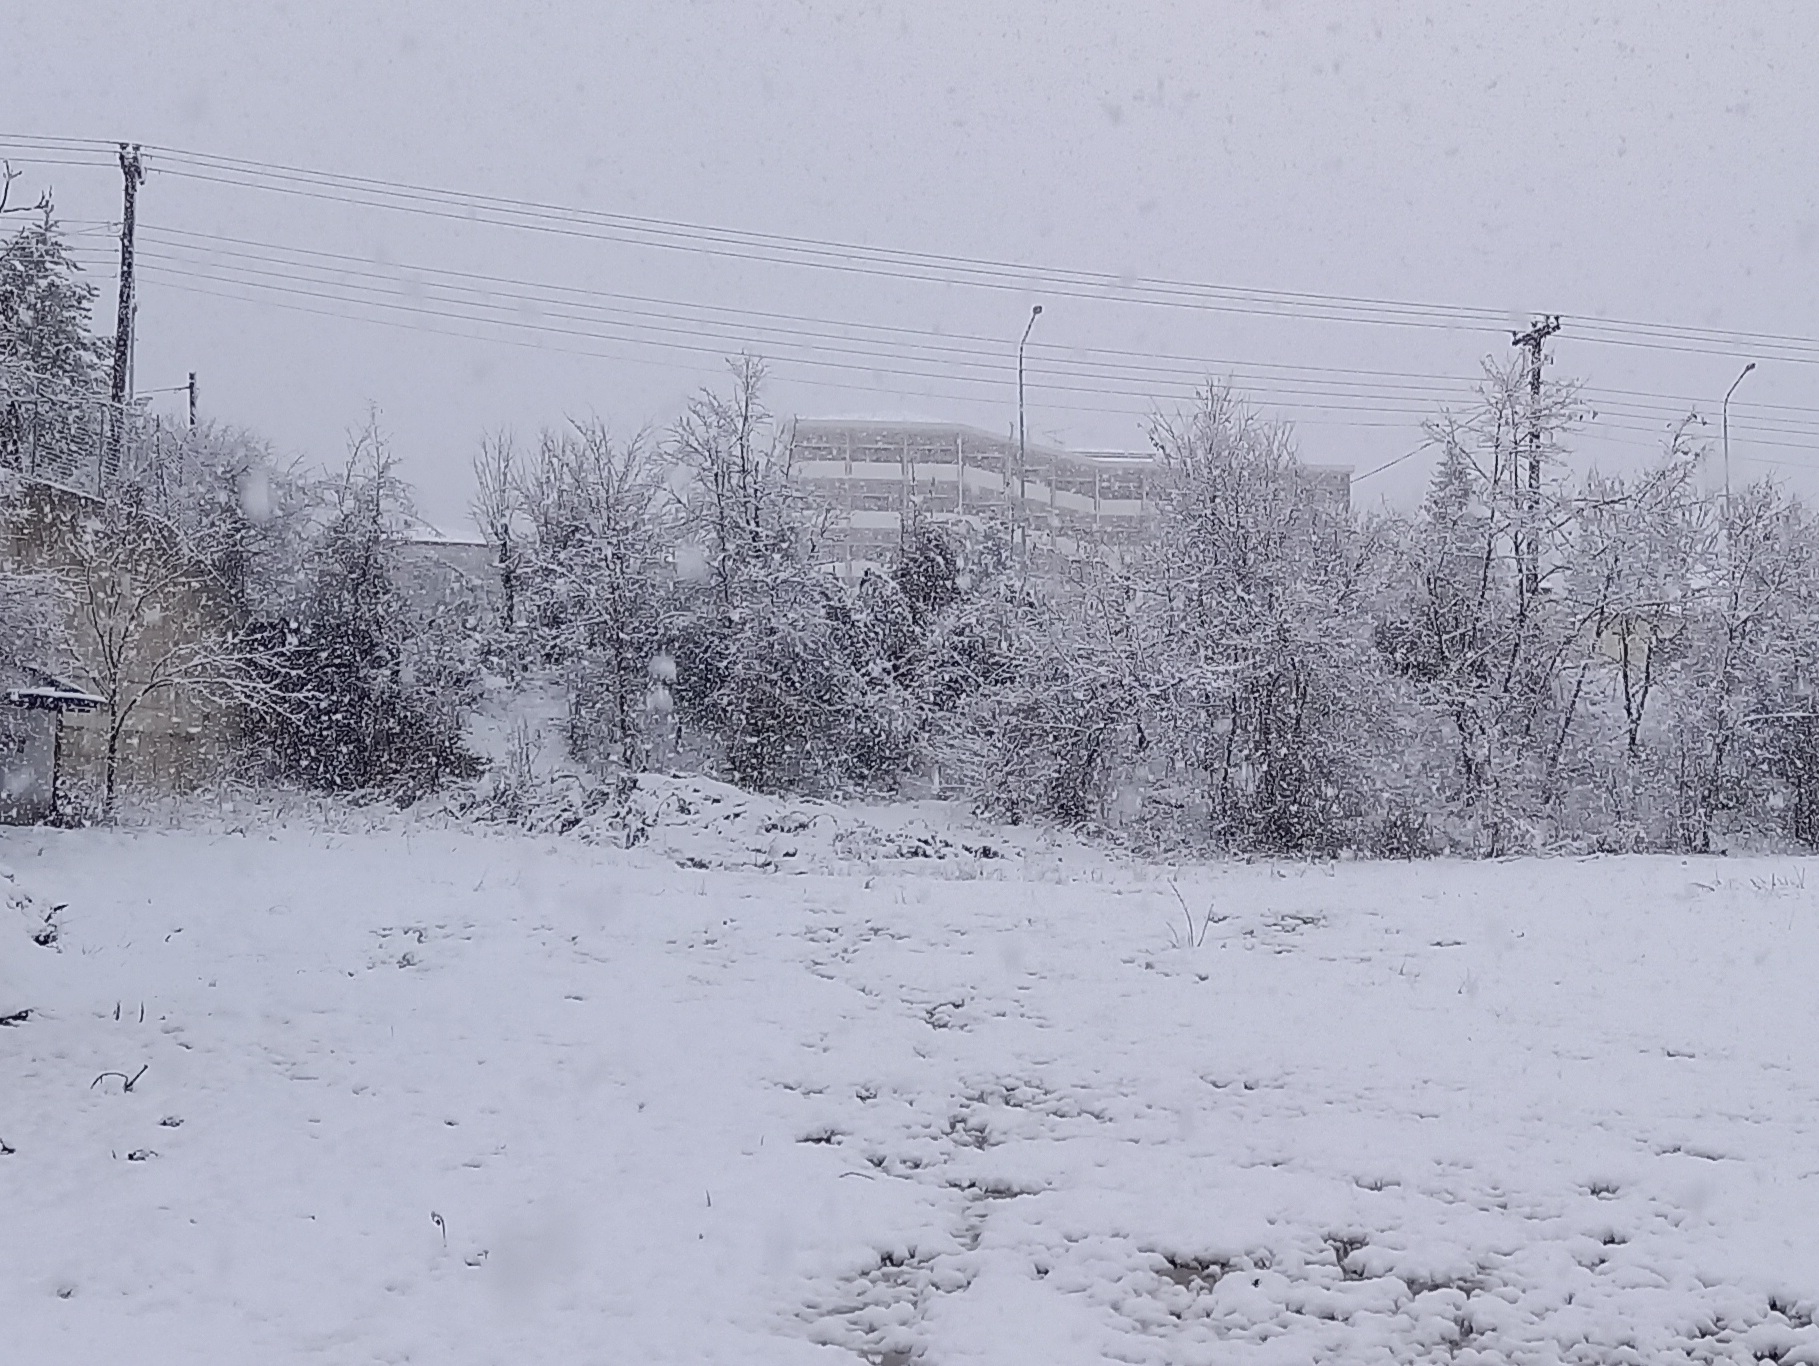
x=1579 y=661
x=1589 y=661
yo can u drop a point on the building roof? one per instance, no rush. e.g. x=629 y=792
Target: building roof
x=44 y=691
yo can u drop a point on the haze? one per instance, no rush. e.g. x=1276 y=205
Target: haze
x=1645 y=162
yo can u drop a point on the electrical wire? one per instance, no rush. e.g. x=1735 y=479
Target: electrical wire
x=787 y=249
x=309 y=273
x=760 y=328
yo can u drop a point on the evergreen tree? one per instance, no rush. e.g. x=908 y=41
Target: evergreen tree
x=45 y=312
x=377 y=690
x=51 y=364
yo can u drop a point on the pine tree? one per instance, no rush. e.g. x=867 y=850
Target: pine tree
x=45 y=311
x=376 y=691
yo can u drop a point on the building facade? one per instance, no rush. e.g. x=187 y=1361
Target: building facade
x=1067 y=507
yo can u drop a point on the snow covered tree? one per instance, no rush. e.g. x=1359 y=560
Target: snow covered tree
x=498 y=511
x=596 y=585
x=45 y=314
x=788 y=669
x=52 y=376
x=1639 y=549
x=743 y=515
x=1782 y=725
x=1253 y=607
x=1747 y=653
x=227 y=498
x=1483 y=649
x=152 y=620
x=377 y=689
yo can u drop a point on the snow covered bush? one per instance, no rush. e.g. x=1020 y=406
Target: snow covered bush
x=1029 y=708
x=791 y=682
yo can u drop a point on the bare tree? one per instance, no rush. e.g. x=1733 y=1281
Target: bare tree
x=1639 y=549
x=742 y=506
x=152 y=624
x=497 y=508
x=7 y=176
x=597 y=514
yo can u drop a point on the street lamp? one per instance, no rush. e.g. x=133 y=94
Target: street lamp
x=1022 y=448
x=1725 y=423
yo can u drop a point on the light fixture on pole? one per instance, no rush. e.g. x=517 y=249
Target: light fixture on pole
x=1022 y=445
x=1725 y=425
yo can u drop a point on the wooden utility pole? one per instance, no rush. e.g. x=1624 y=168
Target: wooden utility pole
x=192 y=398
x=132 y=172
x=1544 y=328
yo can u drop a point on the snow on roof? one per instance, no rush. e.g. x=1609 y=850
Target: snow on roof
x=54 y=699
x=416 y=531
x=44 y=691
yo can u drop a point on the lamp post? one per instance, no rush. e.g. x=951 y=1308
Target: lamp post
x=1022 y=447
x=1725 y=424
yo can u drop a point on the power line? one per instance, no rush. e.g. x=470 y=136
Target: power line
x=758 y=327
x=1146 y=399
x=1109 y=375
x=719 y=343
x=888 y=342
x=786 y=249
x=994 y=346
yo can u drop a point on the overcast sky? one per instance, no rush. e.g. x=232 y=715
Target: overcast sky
x=1646 y=162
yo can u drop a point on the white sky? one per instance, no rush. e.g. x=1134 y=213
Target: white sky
x=1642 y=161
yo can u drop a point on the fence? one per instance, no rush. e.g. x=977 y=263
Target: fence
x=76 y=443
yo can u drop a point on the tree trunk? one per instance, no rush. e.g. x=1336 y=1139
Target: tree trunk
x=110 y=781
x=508 y=584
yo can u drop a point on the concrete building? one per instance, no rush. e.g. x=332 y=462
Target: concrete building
x=441 y=571
x=1071 y=506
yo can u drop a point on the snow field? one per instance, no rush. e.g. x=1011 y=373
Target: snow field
x=426 y=1094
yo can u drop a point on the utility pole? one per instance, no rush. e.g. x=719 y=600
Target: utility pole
x=192 y=398
x=132 y=173
x=1022 y=446
x=1544 y=328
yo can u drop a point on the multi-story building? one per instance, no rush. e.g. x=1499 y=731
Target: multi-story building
x=1068 y=506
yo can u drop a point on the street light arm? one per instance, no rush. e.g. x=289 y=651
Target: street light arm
x=1035 y=313
x=1734 y=383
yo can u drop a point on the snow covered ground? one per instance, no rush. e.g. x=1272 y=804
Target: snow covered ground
x=796 y=1084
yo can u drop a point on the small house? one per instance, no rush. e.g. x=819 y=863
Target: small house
x=31 y=741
